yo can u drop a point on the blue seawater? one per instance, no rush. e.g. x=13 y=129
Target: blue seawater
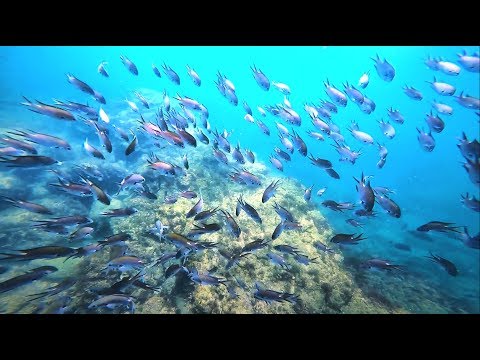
x=427 y=185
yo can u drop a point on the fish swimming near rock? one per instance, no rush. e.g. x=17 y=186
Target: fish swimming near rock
x=54 y=290
x=93 y=150
x=49 y=110
x=98 y=192
x=308 y=193
x=278 y=260
x=269 y=296
x=232 y=225
x=115 y=239
x=322 y=247
x=365 y=192
x=29 y=206
x=114 y=302
x=130 y=181
x=347 y=239
x=42 y=139
x=249 y=210
x=195 y=209
x=255 y=245
x=81 y=233
x=42 y=252
x=449 y=266
x=205 y=278
x=18 y=145
x=27 y=161
x=120 y=212
x=270 y=191
x=380 y=264
x=27 y=278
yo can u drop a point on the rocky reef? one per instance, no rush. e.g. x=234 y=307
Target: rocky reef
x=330 y=283
x=323 y=286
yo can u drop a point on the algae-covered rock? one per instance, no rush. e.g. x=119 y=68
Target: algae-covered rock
x=330 y=283
x=323 y=286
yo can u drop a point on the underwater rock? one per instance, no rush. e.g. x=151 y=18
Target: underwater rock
x=301 y=280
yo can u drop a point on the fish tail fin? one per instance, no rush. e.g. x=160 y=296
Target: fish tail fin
x=398 y=267
x=359 y=237
x=71 y=256
x=18 y=133
x=454 y=229
x=10 y=256
x=8 y=199
x=28 y=101
x=291 y=298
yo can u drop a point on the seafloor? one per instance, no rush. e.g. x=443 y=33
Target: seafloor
x=331 y=284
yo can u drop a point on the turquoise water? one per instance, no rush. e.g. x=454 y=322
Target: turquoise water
x=427 y=185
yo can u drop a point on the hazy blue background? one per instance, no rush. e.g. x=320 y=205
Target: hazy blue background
x=427 y=185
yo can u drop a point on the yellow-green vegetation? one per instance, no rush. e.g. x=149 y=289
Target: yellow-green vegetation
x=324 y=286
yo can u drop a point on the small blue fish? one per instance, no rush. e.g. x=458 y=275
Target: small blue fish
x=384 y=69
x=260 y=78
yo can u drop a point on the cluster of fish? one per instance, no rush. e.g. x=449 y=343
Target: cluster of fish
x=172 y=128
x=470 y=150
x=368 y=196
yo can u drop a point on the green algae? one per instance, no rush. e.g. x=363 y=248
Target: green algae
x=324 y=286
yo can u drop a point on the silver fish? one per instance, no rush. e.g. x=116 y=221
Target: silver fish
x=469 y=62
x=194 y=76
x=426 y=141
x=113 y=302
x=385 y=70
x=260 y=78
x=442 y=88
x=275 y=162
x=80 y=84
x=387 y=129
x=29 y=206
x=435 y=123
x=196 y=208
x=171 y=74
x=156 y=71
x=101 y=69
x=92 y=150
x=42 y=139
x=129 y=65
x=130 y=180
x=412 y=93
